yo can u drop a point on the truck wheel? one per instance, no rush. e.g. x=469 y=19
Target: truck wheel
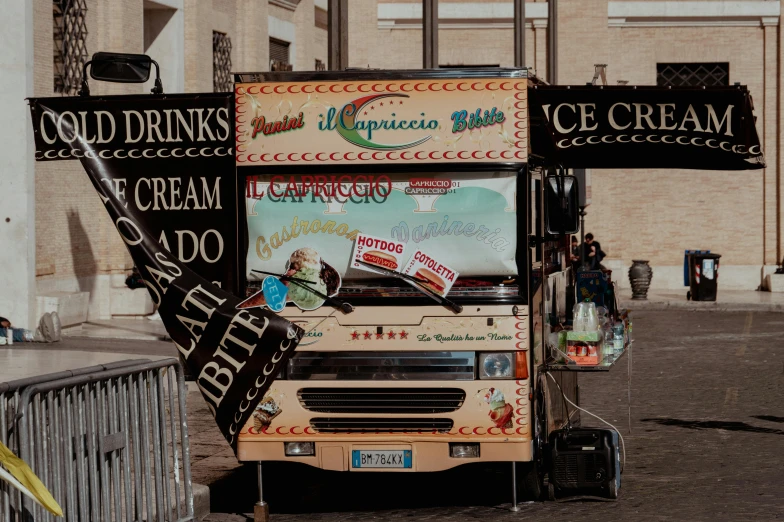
x=530 y=475
x=614 y=489
x=530 y=482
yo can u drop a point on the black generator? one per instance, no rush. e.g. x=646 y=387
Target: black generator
x=584 y=462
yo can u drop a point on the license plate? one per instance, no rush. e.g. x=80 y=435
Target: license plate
x=381 y=458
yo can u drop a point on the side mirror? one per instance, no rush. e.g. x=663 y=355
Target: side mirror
x=561 y=205
x=121 y=68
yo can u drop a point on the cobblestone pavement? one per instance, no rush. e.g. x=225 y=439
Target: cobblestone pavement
x=707 y=441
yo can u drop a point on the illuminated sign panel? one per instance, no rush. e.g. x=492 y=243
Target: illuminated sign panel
x=422 y=121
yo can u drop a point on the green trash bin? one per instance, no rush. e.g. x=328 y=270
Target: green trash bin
x=703 y=277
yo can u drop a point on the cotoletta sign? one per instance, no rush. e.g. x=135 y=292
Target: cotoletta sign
x=645 y=127
x=430 y=121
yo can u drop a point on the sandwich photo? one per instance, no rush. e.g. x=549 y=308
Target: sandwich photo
x=384 y=260
x=434 y=283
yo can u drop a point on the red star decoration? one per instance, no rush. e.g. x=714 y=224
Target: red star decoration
x=391 y=334
x=368 y=335
x=365 y=113
x=382 y=104
x=354 y=335
x=400 y=102
x=372 y=107
x=379 y=336
x=403 y=334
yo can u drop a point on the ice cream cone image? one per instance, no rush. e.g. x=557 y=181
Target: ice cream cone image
x=267 y=410
x=501 y=412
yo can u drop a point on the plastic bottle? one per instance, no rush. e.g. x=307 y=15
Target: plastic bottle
x=607 y=346
x=592 y=320
x=579 y=317
x=618 y=339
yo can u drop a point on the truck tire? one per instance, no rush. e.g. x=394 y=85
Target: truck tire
x=614 y=489
x=530 y=481
x=530 y=475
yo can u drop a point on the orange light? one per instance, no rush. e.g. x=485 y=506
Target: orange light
x=521 y=365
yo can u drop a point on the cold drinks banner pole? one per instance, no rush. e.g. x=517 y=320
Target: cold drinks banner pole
x=157 y=163
x=644 y=127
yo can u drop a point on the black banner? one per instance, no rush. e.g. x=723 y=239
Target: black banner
x=233 y=354
x=644 y=127
x=170 y=162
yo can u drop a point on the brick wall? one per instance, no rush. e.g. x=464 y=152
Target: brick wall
x=650 y=214
x=659 y=213
x=75 y=239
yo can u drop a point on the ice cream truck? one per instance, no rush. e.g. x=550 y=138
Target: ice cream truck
x=407 y=198
x=416 y=225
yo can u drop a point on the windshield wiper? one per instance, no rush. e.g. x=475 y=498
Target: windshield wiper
x=418 y=284
x=347 y=308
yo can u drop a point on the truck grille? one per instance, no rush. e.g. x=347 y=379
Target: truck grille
x=382 y=366
x=381 y=400
x=382 y=425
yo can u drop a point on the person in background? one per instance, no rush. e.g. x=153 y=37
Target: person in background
x=135 y=281
x=574 y=255
x=48 y=331
x=593 y=253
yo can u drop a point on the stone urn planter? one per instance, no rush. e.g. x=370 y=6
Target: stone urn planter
x=640 y=275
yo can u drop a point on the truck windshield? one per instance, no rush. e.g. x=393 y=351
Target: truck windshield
x=467 y=220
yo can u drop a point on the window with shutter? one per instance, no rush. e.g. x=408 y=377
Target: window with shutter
x=221 y=62
x=70 y=51
x=279 y=55
x=692 y=74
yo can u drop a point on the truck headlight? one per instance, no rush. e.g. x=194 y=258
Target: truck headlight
x=497 y=365
x=300 y=449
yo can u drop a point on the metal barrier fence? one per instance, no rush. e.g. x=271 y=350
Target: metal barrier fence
x=10 y=499
x=110 y=443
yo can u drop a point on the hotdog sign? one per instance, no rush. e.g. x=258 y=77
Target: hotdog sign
x=425 y=121
x=383 y=253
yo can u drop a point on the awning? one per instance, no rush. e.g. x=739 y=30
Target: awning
x=644 y=127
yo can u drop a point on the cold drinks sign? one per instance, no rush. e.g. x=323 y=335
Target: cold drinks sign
x=433 y=121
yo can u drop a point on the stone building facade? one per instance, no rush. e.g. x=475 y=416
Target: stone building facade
x=59 y=249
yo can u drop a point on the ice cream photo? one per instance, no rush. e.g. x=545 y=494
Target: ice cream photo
x=305 y=275
x=501 y=412
x=267 y=410
x=306 y=265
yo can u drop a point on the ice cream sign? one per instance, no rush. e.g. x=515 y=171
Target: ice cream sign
x=432 y=121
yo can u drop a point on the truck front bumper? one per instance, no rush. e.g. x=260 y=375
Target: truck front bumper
x=425 y=456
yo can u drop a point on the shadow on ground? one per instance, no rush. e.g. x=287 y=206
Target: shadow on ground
x=770 y=418
x=719 y=425
x=297 y=488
